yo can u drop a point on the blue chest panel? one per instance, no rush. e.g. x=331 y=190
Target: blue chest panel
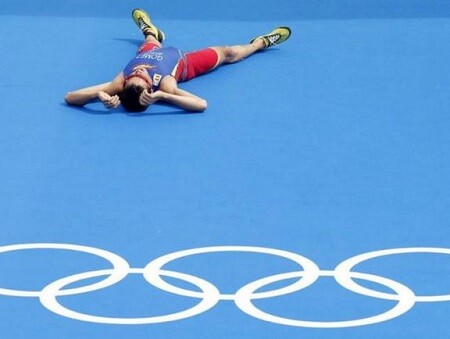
x=162 y=62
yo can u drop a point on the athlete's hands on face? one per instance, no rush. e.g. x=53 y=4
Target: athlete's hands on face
x=108 y=100
x=147 y=98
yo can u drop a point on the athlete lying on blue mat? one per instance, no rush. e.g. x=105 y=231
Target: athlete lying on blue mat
x=154 y=73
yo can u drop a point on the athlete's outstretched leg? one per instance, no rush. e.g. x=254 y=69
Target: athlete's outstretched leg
x=230 y=54
x=153 y=35
x=142 y=20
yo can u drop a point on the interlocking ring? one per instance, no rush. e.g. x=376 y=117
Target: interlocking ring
x=152 y=269
x=48 y=299
x=344 y=268
x=244 y=301
x=209 y=294
x=120 y=270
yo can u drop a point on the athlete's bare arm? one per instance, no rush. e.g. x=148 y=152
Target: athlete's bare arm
x=170 y=93
x=106 y=93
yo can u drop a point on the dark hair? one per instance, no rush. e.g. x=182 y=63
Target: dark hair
x=129 y=98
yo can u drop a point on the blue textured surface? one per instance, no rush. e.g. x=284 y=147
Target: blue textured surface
x=245 y=10
x=333 y=144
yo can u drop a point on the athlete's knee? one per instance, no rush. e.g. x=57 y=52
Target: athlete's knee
x=229 y=54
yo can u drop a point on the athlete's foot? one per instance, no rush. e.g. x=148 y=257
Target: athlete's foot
x=142 y=20
x=276 y=37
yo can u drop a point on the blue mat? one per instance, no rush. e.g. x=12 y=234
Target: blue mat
x=309 y=200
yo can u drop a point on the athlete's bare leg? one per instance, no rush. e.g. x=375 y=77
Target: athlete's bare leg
x=151 y=39
x=228 y=55
x=231 y=54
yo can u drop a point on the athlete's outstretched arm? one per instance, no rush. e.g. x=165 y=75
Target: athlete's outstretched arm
x=170 y=93
x=179 y=98
x=106 y=93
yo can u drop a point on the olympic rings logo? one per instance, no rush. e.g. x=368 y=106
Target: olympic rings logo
x=209 y=295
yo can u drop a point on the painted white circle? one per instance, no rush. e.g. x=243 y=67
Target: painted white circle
x=120 y=266
x=311 y=271
x=49 y=300
x=243 y=300
x=346 y=266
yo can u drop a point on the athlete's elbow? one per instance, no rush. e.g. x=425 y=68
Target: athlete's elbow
x=69 y=98
x=199 y=105
x=203 y=105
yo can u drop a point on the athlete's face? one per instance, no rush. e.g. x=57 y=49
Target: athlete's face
x=139 y=77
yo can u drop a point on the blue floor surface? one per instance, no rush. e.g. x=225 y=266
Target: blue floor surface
x=330 y=146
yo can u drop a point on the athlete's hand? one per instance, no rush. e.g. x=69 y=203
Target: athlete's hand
x=108 y=100
x=147 y=98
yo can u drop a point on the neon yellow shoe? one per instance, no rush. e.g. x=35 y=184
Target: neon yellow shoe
x=276 y=37
x=142 y=20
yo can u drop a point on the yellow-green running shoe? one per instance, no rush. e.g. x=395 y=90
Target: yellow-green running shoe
x=142 y=20
x=276 y=37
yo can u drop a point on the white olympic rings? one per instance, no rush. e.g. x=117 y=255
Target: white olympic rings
x=153 y=272
x=120 y=265
x=152 y=269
